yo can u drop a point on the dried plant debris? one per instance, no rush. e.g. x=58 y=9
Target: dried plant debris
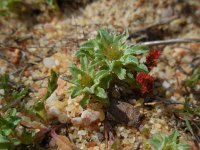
x=123 y=112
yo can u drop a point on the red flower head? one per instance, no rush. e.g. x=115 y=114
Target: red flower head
x=145 y=81
x=152 y=58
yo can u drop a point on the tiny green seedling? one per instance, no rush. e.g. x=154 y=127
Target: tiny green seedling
x=8 y=123
x=38 y=108
x=191 y=81
x=168 y=142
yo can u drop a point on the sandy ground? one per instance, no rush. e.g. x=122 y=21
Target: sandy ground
x=29 y=53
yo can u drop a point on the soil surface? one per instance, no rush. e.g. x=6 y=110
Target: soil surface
x=29 y=51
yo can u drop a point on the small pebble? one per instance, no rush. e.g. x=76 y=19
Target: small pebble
x=2 y=91
x=63 y=118
x=77 y=121
x=81 y=132
x=54 y=111
x=166 y=84
x=158 y=126
x=49 y=62
x=89 y=116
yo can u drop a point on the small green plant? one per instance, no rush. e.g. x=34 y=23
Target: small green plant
x=168 y=142
x=191 y=81
x=8 y=123
x=14 y=6
x=12 y=95
x=108 y=60
x=190 y=112
x=4 y=82
x=38 y=108
x=10 y=138
x=6 y=6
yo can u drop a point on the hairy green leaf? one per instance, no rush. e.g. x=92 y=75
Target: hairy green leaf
x=141 y=68
x=129 y=59
x=75 y=91
x=27 y=137
x=100 y=92
x=105 y=36
x=84 y=101
x=75 y=71
x=4 y=82
x=100 y=75
x=52 y=84
x=84 y=63
x=87 y=49
x=136 y=49
x=39 y=110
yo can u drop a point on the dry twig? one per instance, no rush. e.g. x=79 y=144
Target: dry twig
x=170 y=41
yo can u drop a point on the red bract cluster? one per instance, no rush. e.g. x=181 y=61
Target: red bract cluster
x=145 y=81
x=152 y=58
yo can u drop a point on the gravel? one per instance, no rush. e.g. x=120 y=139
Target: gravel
x=56 y=42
